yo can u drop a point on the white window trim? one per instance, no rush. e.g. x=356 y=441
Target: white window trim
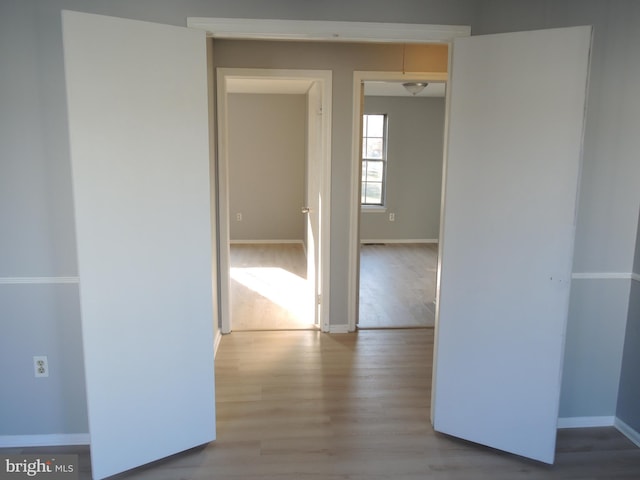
x=373 y=208
x=384 y=162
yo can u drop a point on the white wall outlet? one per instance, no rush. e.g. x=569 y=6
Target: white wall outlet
x=392 y=217
x=40 y=366
x=238 y=217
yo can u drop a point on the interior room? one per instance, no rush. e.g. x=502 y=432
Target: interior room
x=269 y=284
x=399 y=229
x=111 y=251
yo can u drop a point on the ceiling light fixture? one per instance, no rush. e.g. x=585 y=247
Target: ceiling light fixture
x=415 y=88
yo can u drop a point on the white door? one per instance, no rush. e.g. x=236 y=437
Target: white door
x=512 y=171
x=138 y=120
x=313 y=203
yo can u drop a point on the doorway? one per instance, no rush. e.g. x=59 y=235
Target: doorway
x=399 y=228
x=273 y=248
x=380 y=229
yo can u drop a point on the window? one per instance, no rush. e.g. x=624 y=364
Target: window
x=374 y=159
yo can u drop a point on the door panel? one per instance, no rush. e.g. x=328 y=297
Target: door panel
x=511 y=177
x=138 y=120
x=313 y=181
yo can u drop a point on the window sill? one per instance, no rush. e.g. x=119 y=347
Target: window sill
x=373 y=209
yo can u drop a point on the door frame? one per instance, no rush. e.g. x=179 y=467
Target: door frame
x=353 y=280
x=324 y=79
x=326 y=31
x=323 y=31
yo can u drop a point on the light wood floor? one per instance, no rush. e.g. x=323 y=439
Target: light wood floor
x=302 y=405
x=397 y=285
x=269 y=288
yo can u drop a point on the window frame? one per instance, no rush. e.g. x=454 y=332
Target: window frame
x=383 y=161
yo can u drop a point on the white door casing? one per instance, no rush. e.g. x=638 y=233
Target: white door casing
x=515 y=128
x=138 y=121
x=329 y=31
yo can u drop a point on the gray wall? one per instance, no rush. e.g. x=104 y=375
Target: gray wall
x=609 y=197
x=37 y=237
x=267 y=150
x=629 y=394
x=414 y=172
x=41 y=319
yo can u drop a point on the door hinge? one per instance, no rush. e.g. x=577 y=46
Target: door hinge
x=319 y=299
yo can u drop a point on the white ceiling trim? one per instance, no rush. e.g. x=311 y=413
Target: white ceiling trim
x=242 y=28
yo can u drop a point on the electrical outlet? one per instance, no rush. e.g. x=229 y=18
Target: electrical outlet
x=392 y=217
x=238 y=217
x=41 y=366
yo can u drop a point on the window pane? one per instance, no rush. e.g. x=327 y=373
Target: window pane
x=373 y=193
x=374 y=148
x=375 y=126
x=375 y=172
x=373 y=159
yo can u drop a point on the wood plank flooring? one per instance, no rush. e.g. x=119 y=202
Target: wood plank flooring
x=269 y=288
x=397 y=285
x=302 y=405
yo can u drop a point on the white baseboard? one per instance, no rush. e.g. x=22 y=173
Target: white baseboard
x=400 y=240
x=627 y=431
x=338 y=328
x=583 y=422
x=263 y=242
x=51 y=440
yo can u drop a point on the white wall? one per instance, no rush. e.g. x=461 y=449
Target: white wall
x=414 y=173
x=267 y=150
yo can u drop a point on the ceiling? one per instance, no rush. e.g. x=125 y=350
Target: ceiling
x=301 y=86
x=395 y=89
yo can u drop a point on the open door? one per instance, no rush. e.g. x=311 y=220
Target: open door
x=313 y=195
x=138 y=121
x=511 y=177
